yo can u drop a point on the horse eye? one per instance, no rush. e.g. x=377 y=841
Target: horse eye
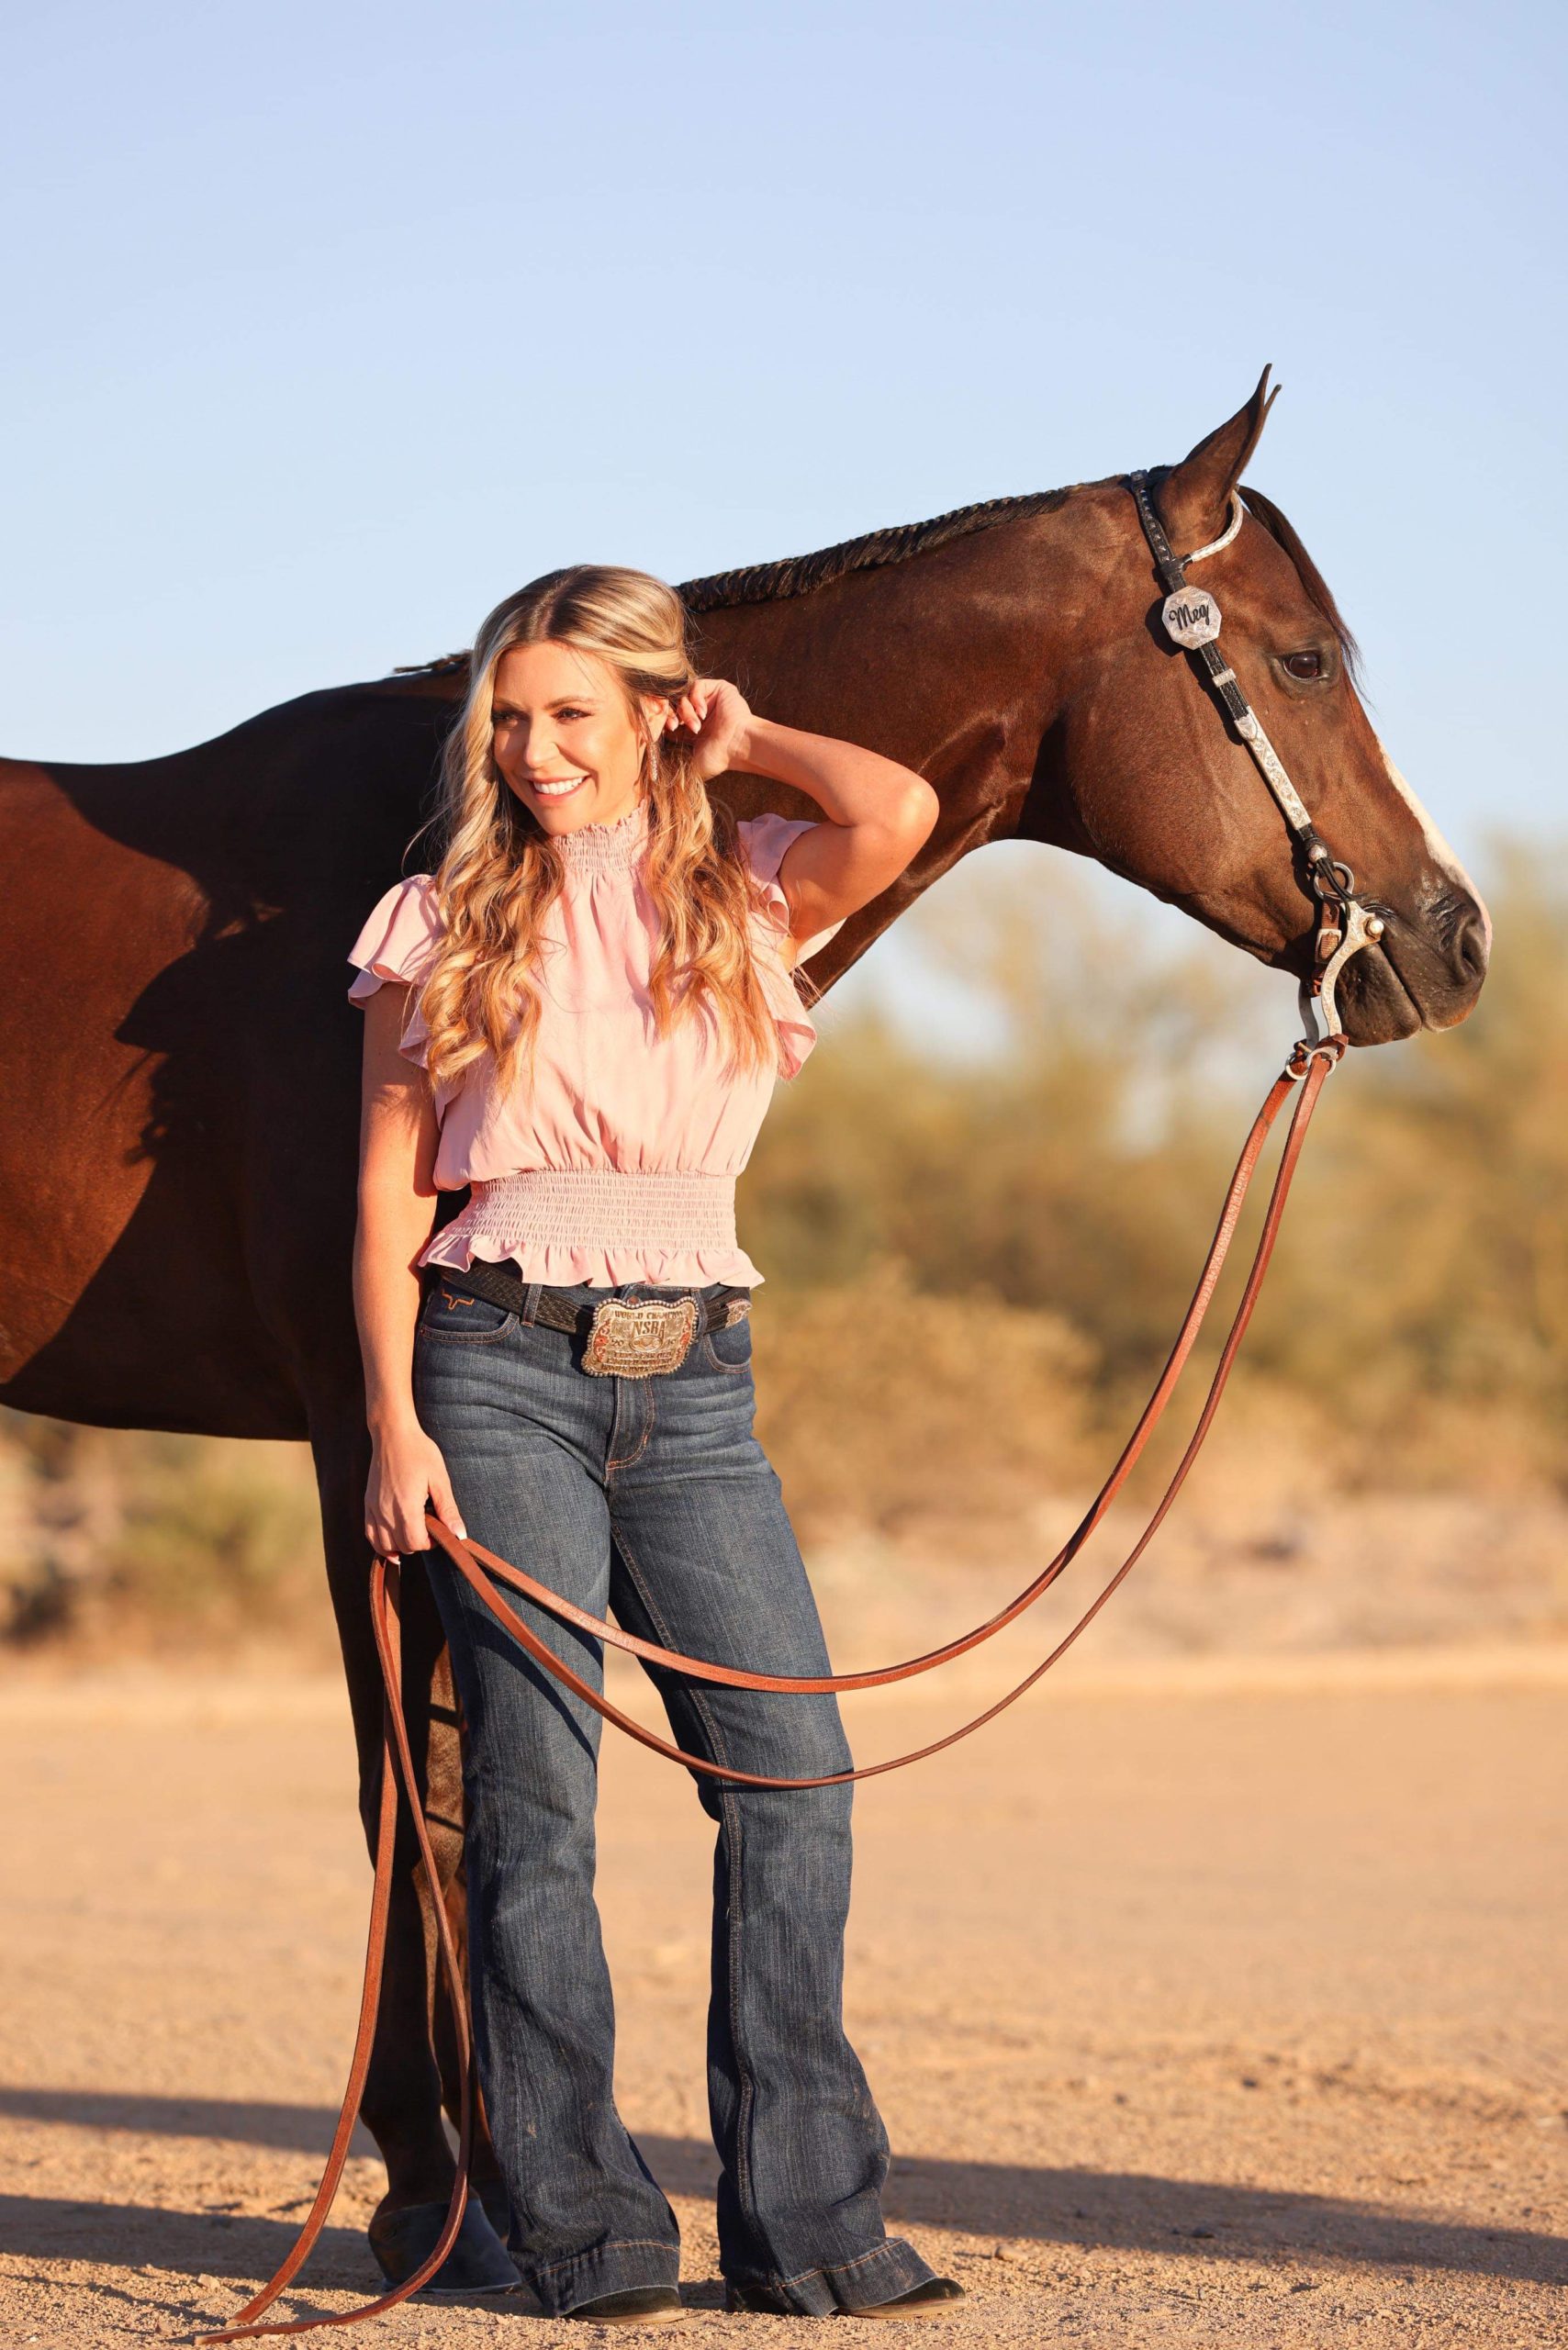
x=1304 y=666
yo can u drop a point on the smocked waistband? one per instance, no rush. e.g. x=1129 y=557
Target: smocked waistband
x=588 y=1206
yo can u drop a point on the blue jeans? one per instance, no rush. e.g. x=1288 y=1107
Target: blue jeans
x=650 y=1496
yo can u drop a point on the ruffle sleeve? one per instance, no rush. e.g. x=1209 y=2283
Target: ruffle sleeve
x=398 y=941
x=764 y=840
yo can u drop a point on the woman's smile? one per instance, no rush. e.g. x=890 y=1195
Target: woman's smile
x=554 y=701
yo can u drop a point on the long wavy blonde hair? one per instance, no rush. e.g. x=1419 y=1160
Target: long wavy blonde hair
x=498 y=871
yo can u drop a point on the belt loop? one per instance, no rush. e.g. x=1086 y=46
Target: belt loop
x=530 y=1302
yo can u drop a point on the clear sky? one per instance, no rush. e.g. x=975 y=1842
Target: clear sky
x=328 y=326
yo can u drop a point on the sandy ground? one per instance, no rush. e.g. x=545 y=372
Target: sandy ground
x=1207 y=2002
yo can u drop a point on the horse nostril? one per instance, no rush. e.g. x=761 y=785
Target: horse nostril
x=1469 y=949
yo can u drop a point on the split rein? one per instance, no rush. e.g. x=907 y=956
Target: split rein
x=1192 y=619
x=482 y=1570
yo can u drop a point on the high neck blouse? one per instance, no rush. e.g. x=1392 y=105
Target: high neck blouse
x=619 y=1163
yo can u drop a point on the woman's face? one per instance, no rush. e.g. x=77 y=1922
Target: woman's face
x=564 y=741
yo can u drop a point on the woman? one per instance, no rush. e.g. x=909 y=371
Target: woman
x=581 y=1015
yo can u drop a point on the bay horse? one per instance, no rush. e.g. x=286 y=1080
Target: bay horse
x=179 y=1190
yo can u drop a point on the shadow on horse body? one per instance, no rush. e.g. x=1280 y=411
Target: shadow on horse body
x=180 y=1200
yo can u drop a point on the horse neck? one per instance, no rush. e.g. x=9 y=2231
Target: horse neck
x=952 y=663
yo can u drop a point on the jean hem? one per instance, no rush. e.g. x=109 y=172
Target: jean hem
x=845 y=2286
x=560 y=2286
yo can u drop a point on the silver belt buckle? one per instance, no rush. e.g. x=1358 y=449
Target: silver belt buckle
x=633 y=1336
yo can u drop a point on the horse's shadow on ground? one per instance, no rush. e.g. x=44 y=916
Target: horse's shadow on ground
x=1083 y=2210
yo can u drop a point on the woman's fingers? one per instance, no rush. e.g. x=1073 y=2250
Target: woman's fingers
x=394 y=1537
x=395 y=1516
x=411 y=1514
x=444 y=1505
x=695 y=704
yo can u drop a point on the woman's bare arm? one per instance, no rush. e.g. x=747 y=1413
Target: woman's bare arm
x=879 y=815
x=398 y=1138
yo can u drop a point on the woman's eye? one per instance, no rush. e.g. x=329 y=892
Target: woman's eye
x=1304 y=666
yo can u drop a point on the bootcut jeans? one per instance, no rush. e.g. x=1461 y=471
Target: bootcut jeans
x=651 y=1497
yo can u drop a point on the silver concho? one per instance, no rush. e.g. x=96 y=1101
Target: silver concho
x=1191 y=617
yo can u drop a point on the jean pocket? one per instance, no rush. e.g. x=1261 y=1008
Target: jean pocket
x=451 y=1317
x=729 y=1346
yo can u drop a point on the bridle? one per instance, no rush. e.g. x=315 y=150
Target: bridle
x=1192 y=619
x=1344 y=926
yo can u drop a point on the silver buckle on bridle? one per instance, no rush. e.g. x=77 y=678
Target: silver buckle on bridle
x=1192 y=619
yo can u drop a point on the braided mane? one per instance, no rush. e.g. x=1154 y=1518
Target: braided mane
x=796 y=574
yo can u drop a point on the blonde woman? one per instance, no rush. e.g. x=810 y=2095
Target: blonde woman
x=581 y=1014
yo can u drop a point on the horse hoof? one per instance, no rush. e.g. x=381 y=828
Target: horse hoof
x=478 y=2263
x=497 y=2210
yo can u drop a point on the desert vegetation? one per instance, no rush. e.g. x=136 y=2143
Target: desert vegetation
x=976 y=1261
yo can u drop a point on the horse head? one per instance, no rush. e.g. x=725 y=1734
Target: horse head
x=1146 y=773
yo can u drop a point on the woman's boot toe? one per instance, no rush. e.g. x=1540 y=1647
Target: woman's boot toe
x=935 y=2298
x=636 y=2305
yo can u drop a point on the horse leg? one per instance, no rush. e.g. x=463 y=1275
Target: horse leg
x=443 y=1768
x=405 y=2092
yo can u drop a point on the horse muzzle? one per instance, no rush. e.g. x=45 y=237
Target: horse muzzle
x=1422 y=972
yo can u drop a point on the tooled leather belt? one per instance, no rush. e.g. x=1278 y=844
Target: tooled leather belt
x=563 y=1309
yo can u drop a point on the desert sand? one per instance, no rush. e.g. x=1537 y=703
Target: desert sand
x=1205 y=2002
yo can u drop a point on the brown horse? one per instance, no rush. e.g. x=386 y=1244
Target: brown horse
x=179 y=1194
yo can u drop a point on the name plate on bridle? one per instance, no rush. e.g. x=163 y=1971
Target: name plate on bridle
x=1190 y=618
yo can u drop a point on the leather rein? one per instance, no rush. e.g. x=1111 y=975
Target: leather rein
x=1192 y=620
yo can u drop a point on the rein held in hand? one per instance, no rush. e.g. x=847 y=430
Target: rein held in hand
x=1192 y=619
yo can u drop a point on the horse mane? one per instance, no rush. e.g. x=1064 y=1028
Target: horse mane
x=1318 y=591
x=797 y=575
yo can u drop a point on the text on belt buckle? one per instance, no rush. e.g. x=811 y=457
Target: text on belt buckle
x=633 y=1336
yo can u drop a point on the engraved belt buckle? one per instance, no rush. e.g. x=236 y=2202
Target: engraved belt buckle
x=633 y=1336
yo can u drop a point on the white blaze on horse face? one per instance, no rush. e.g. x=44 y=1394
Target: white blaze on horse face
x=1438 y=849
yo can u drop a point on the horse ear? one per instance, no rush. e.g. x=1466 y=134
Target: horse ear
x=1195 y=498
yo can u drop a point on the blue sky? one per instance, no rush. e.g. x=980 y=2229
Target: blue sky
x=329 y=326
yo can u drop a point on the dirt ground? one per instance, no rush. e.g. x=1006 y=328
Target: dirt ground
x=1205 y=2001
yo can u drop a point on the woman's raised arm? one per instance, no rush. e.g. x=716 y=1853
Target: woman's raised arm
x=880 y=813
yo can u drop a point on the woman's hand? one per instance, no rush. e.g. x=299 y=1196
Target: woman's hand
x=406 y=1468
x=719 y=717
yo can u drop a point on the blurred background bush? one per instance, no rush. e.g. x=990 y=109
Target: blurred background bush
x=977 y=1257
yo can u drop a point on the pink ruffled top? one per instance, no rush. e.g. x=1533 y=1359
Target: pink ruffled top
x=620 y=1163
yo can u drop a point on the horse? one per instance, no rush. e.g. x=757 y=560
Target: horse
x=179 y=1197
